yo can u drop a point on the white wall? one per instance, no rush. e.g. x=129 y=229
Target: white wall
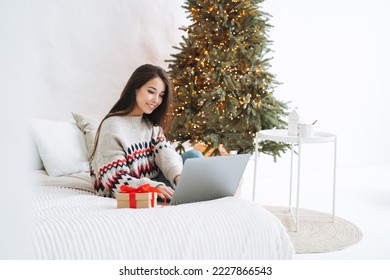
x=14 y=82
x=333 y=60
x=85 y=51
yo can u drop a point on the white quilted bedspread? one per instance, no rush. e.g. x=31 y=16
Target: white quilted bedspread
x=74 y=224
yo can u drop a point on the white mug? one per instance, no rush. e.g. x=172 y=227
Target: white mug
x=305 y=130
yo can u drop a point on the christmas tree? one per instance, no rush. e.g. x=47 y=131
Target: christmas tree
x=223 y=90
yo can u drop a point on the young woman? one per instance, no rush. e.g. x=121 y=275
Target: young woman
x=130 y=146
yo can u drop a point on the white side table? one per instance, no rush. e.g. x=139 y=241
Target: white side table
x=281 y=135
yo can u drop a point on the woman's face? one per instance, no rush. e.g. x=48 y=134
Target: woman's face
x=148 y=97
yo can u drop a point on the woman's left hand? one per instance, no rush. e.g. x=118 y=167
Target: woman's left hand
x=177 y=179
x=165 y=191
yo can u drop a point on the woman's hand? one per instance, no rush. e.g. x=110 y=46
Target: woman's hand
x=177 y=179
x=166 y=192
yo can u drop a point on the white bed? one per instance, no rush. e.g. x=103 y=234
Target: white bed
x=71 y=222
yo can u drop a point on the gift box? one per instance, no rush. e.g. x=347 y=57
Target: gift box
x=136 y=200
x=145 y=196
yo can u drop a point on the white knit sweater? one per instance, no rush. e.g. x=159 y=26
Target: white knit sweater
x=131 y=151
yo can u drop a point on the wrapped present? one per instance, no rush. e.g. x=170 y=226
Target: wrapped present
x=144 y=196
x=136 y=200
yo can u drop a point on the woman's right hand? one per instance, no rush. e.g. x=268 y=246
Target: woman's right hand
x=166 y=192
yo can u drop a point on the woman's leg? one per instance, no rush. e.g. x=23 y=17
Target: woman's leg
x=191 y=154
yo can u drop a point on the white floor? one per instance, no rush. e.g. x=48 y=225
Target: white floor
x=362 y=197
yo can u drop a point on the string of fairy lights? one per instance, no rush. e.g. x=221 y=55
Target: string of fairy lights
x=219 y=73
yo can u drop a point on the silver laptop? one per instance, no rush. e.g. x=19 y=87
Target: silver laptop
x=209 y=178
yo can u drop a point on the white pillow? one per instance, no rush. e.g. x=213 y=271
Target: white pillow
x=89 y=127
x=61 y=146
x=35 y=162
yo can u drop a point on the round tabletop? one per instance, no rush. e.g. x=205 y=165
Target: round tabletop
x=281 y=135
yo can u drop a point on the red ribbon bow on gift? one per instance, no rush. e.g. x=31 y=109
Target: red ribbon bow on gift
x=145 y=188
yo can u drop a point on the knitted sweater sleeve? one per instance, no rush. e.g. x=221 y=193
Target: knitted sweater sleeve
x=167 y=159
x=111 y=164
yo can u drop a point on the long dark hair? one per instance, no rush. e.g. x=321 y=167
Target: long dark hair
x=159 y=117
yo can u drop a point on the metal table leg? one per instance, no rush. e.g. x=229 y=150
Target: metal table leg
x=255 y=169
x=334 y=179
